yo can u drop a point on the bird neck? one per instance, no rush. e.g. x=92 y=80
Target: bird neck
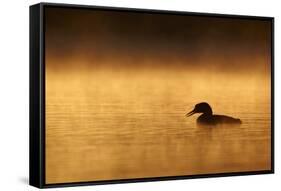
x=208 y=112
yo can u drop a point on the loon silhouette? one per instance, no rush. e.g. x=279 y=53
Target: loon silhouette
x=208 y=118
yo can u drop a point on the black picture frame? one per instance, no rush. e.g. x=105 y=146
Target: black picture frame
x=37 y=96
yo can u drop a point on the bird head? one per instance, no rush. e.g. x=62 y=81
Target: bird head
x=201 y=108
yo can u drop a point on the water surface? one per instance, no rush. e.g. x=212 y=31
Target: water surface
x=119 y=124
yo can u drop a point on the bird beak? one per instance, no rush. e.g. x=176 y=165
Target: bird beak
x=190 y=113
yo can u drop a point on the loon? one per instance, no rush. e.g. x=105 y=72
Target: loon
x=207 y=118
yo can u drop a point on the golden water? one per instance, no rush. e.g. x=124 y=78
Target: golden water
x=117 y=124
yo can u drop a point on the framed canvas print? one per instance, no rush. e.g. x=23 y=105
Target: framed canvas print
x=125 y=95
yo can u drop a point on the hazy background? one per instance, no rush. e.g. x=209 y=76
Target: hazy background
x=118 y=86
x=119 y=39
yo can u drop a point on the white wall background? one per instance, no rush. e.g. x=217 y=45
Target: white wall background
x=14 y=71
